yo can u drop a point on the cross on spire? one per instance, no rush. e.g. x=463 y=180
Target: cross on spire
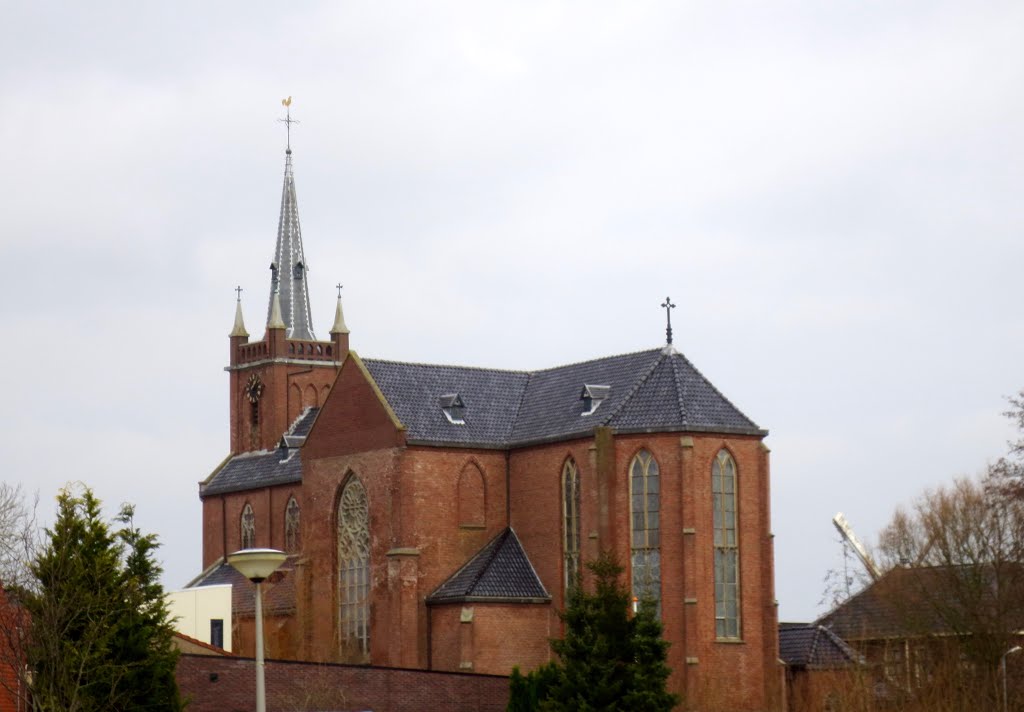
x=238 y=293
x=668 y=306
x=288 y=121
x=338 y=286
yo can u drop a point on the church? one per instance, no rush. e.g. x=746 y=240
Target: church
x=436 y=516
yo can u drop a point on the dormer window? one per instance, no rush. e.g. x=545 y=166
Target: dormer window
x=298 y=269
x=592 y=397
x=453 y=408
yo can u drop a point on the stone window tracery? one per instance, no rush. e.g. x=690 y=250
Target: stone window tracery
x=292 y=533
x=354 y=571
x=727 y=581
x=571 y=523
x=645 y=504
x=248 y=524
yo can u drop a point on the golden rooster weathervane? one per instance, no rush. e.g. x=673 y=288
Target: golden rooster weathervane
x=288 y=120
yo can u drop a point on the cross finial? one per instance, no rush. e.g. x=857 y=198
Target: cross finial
x=668 y=306
x=288 y=121
x=238 y=293
x=338 y=286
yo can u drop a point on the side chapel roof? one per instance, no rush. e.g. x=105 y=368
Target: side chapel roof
x=500 y=571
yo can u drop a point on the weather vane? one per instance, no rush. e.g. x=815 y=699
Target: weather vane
x=668 y=306
x=338 y=285
x=288 y=120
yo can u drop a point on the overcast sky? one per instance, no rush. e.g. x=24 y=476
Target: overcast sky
x=830 y=192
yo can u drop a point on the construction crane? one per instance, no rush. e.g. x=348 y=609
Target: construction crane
x=846 y=531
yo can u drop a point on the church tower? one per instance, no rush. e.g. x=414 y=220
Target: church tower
x=273 y=381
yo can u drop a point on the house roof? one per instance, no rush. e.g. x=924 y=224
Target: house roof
x=500 y=571
x=653 y=390
x=813 y=646
x=924 y=600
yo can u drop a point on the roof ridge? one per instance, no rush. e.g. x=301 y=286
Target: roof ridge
x=526 y=556
x=679 y=390
x=495 y=544
x=635 y=388
x=525 y=372
x=714 y=387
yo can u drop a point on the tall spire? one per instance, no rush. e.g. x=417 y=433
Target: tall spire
x=288 y=270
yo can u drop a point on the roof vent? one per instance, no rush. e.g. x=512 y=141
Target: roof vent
x=453 y=408
x=593 y=396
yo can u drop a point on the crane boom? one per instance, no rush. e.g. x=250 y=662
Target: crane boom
x=847 y=533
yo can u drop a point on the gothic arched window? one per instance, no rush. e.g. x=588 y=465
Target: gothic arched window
x=292 y=534
x=571 y=523
x=727 y=580
x=645 y=502
x=248 y=522
x=354 y=571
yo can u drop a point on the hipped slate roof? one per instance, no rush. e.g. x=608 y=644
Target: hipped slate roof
x=813 y=646
x=264 y=468
x=654 y=390
x=500 y=571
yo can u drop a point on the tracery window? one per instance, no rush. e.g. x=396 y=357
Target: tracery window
x=248 y=522
x=354 y=571
x=571 y=523
x=645 y=502
x=727 y=582
x=292 y=535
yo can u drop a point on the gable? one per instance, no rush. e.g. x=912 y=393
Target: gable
x=355 y=417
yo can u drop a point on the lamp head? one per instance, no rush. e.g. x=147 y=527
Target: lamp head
x=257 y=564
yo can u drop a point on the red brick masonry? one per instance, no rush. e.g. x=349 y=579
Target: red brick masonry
x=214 y=684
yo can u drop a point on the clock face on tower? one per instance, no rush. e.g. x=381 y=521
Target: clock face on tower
x=254 y=388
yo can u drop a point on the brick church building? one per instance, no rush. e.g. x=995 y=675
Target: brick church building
x=435 y=516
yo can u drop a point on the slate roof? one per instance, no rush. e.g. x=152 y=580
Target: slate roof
x=813 y=646
x=278 y=591
x=653 y=390
x=264 y=468
x=500 y=571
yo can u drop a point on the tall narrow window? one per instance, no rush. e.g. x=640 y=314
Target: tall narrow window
x=354 y=572
x=571 y=523
x=248 y=527
x=292 y=535
x=645 y=501
x=727 y=581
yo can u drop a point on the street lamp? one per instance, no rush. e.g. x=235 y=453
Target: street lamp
x=1002 y=664
x=256 y=565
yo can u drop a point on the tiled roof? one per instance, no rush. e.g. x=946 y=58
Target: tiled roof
x=500 y=571
x=264 y=468
x=813 y=646
x=648 y=390
x=278 y=591
x=923 y=600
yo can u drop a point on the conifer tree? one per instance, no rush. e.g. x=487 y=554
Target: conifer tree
x=100 y=638
x=609 y=661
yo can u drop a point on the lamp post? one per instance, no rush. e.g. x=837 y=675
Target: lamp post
x=1002 y=665
x=256 y=565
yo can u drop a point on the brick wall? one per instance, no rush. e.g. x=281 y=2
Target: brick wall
x=228 y=685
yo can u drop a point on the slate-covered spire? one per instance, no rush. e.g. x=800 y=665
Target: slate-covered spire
x=288 y=271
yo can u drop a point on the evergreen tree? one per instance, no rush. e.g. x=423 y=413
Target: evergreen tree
x=100 y=636
x=608 y=661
